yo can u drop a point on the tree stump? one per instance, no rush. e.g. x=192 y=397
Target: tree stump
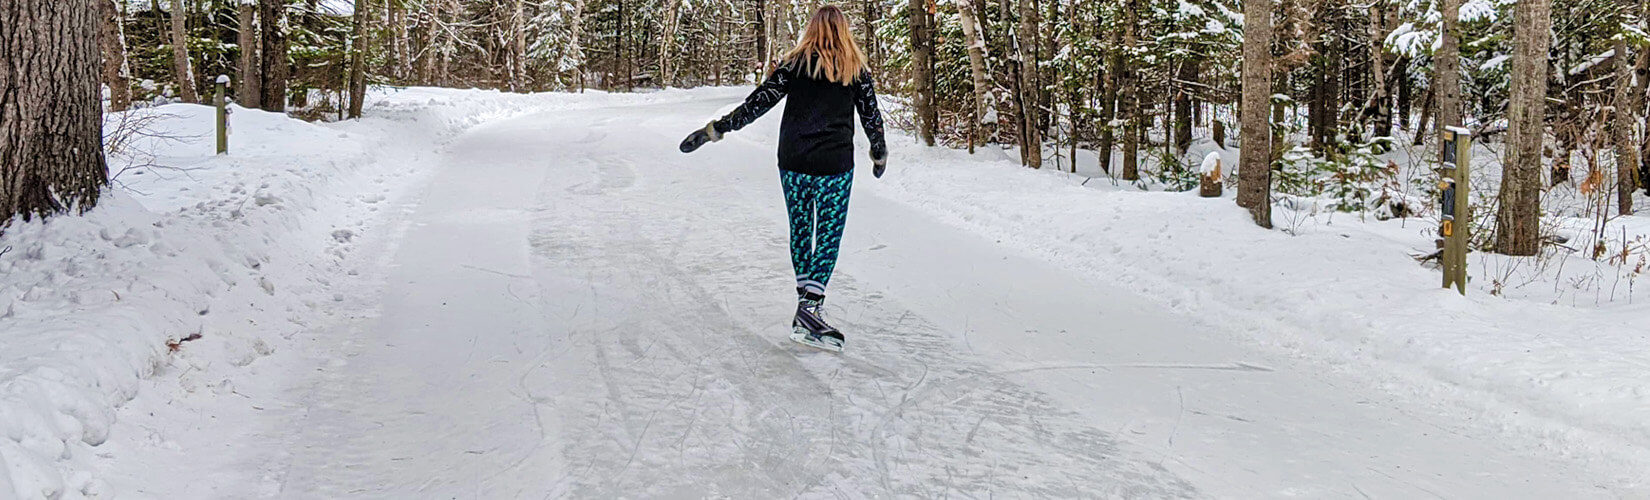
x=1210 y=185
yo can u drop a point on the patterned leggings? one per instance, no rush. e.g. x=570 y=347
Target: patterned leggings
x=818 y=207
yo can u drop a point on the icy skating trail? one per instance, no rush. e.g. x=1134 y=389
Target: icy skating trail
x=576 y=309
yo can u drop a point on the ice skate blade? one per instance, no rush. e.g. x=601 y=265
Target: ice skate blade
x=820 y=343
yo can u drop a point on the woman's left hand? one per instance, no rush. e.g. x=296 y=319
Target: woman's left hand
x=878 y=166
x=700 y=137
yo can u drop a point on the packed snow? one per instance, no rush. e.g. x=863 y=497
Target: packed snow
x=478 y=294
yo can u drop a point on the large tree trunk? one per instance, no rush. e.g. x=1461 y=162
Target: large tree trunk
x=976 y=68
x=1627 y=155
x=922 y=66
x=273 y=66
x=112 y=40
x=1255 y=169
x=182 y=70
x=1031 y=144
x=1128 y=100
x=249 y=92
x=51 y=112
x=358 y=61
x=1518 y=223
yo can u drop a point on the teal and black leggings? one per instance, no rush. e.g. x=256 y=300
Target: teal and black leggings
x=818 y=206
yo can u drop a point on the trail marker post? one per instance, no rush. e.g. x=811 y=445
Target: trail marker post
x=223 y=115
x=1455 y=225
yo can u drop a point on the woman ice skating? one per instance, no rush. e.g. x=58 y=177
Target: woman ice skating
x=826 y=80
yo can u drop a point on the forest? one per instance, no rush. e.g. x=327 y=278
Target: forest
x=1317 y=94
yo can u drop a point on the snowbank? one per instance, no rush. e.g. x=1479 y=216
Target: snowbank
x=1344 y=292
x=230 y=251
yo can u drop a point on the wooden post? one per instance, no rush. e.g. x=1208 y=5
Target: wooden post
x=223 y=115
x=1455 y=160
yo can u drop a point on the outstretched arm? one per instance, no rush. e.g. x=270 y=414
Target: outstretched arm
x=764 y=98
x=870 y=119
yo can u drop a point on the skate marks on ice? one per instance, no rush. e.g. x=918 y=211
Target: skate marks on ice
x=675 y=377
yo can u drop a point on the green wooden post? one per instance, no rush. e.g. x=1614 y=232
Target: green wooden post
x=223 y=116
x=1456 y=226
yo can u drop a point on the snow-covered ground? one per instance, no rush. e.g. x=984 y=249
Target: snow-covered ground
x=474 y=294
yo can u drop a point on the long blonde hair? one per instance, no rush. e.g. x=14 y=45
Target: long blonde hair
x=827 y=49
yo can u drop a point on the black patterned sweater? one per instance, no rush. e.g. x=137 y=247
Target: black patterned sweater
x=816 y=136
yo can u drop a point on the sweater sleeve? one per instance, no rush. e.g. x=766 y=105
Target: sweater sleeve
x=870 y=118
x=764 y=98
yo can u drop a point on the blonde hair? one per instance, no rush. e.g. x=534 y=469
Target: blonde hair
x=827 y=49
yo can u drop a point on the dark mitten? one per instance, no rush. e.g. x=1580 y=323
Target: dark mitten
x=878 y=166
x=700 y=137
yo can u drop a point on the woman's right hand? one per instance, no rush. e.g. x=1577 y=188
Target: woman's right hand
x=700 y=137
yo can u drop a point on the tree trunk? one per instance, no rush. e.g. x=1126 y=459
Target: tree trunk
x=1108 y=100
x=761 y=49
x=922 y=66
x=1429 y=105
x=182 y=70
x=976 y=68
x=518 y=48
x=1031 y=145
x=1400 y=73
x=1640 y=99
x=51 y=112
x=402 y=61
x=1627 y=157
x=667 y=43
x=1255 y=169
x=1183 y=105
x=272 y=22
x=1446 y=82
x=1380 y=101
x=249 y=91
x=358 y=61
x=1518 y=223
x=429 y=51
x=112 y=41
x=1127 y=99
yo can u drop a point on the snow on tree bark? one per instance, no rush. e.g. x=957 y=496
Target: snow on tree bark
x=112 y=40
